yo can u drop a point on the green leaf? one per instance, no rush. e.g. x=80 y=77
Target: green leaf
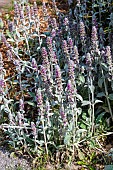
x=99 y=117
x=83 y=126
x=101 y=94
x=8 y=34
x=67 y=139
x=81 y=155
x=111 y=96
x=100 y=82
x=82 y=79
x=86 y=102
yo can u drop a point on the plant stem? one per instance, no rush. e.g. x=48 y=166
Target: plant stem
x=106 y=92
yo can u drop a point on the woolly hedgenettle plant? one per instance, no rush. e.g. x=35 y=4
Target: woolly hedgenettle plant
x=60 y=77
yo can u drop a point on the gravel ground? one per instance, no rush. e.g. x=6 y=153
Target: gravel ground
x=7 y=162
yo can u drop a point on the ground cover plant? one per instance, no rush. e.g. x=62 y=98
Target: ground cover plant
x=59 y=100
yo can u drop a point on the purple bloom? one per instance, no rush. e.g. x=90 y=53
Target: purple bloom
x=2 y=83
x=58 y=78
x=33 y=127
x=21 y=105
x=70 y=92
x=45 y=59
x=32 y=13
x=10 y=26
x=82 y=31
x=34 y=64
x=94 y=39
x=109 y=59
x=28 y=11
x=53 y=33
x=66 y=21
x=71 y=70
x=20 y=118
x=89 y=61
x=65 y=47
x=49 y=43
x=75 y=56
x=5 y=42
x=16 y=9
x=35 y=9
x=43 y=73
x=39 y=99
x=63 y=116
x=9 y=55
x=21 y=14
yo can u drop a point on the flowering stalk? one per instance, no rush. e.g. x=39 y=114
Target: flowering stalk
x=39 y=101
x=91 y=93
x=110 y=67
x=34 y=132
x=2 y=81
x=82 y=33
x=63 y=115
x=58 y=78
x=71 y=97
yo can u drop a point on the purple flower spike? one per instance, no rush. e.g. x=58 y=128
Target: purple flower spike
x=53 y=33
x=45 y=59
x=2 y=83
x=65 y=48
x=20 y=119
x=10 y=26
x=34 y=64
x=43 y=73
x=54 y=24
x=49 y=43
x=21 y=14
x=63 y=116
x=28 y=11
x=70 y=92
x=35 y=8
x=39 y=97
x=33 y=127
x=32 y=13
x=82 y=31
x=16 y=9
x=66 y=21
x=58 y=78
x=21 y=105
x=71 y=70
x=75 y=56
x=109 y=59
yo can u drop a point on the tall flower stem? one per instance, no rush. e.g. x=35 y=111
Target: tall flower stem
x=45 y=139
x=106 y=92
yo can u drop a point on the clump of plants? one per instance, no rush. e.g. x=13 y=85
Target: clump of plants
x=63 y=81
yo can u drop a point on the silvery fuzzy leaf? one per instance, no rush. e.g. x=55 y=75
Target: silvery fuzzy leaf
x=111 y=96
x=81 y=131
x=101 y=94
x=92 y=88
x=79 y=97
x=98 y=101
x=86 y=102
x=100 y=82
